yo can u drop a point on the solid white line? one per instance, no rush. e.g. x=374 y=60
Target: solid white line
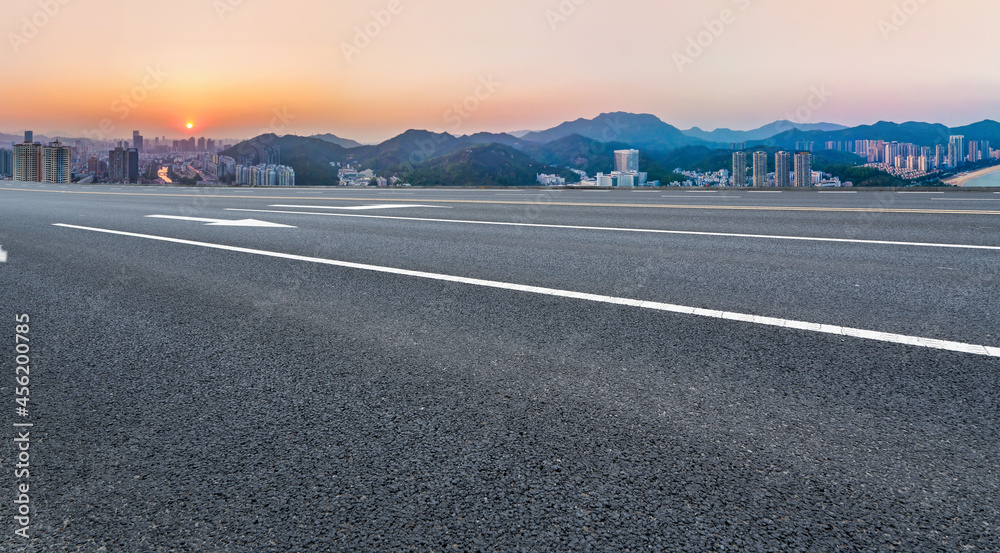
x=620 y=229
x=699 y=198
x=361 y=207
x=656 y=306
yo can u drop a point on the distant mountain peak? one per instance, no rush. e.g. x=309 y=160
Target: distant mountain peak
x=334 y=139
x=724 y=135
x=643 y=131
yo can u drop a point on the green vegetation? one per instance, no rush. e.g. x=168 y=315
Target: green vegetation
x=479 y=165
x=861 y=176
x=309 y=157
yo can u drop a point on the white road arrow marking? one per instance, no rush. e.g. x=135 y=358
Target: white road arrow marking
x=223 y=222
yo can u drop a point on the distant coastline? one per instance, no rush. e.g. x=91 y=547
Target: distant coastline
x=962 y=180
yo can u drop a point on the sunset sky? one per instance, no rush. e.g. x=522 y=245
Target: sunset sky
x=236 y=68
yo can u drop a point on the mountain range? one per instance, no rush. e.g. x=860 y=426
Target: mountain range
x=923 y=134
x=588 y=145
x=762 y=133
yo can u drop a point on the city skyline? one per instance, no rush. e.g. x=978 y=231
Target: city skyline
x=377 y=68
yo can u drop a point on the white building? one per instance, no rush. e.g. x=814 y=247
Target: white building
x=551 y=180
x=627 y=161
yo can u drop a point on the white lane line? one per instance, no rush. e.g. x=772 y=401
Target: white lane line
x=656 y=306
x=362 y=207
x=965 y=199
x=699 y=198
x=652 y=231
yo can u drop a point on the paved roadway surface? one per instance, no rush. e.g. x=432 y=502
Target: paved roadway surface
x=268 y=397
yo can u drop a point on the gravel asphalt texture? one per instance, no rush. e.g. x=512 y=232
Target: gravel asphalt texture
x=189 y=399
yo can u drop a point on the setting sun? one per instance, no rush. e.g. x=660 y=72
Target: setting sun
x=190 y=125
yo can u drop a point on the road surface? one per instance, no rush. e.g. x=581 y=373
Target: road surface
x=488 y=370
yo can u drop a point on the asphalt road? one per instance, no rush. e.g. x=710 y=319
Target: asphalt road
x=339 y=384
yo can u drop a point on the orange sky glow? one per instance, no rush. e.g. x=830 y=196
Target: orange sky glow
x=374 y=68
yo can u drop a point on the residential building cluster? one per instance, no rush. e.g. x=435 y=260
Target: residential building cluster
x=353 y=176
x=31 y=161
x=912 y=161
x=788 y=172
x=264 y=175
x=704 y=179
x=551 y=180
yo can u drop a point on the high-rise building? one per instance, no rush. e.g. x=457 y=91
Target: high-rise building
x=137 y=140
x=6 y=163
x=940 y=156
x=133 y=165
x=201 y=144
x=959 y=155
x=739 y=168
x=974 y=153
x=210 y=146
x=56 y=159
x=890 y=153
x=803 y=169
x=93 y=165
x=117 y=165
x=27 y=160
x=783 y=169
x=760 y=169
x=627 y=161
